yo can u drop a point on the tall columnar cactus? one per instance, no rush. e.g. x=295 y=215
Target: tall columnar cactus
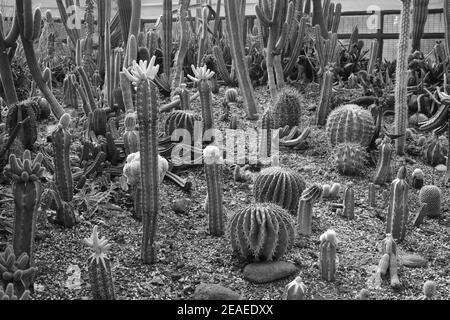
x=83 y=76
x=221 y=67
x=280 y=186
x=8 y=46
x=401 y=99
x=420 y=13
x=17 y=113
x=183 y=44
x=383 y=171
x=350 y=124
x=142 y=76
x=99 y=267
x=286 y=109
x=327 y=256
x=325 y=98
x=27 y=191
x=29 y=26
x=373 y=56
x=372 y=196
x=326 y=49
x=214 y=206
x=431 y=195
x=267 y=126
x=233 y=17
x=309 y=196
x=295 y=290
x=447 y=26
x=319 y=18
x=398 y=211
x=166 y=20
x=124 y=9
x=278 y=19
x=202 y=76
x=298 y=45
x=261 y=232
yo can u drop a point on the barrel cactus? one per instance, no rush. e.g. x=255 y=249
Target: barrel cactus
x=435 y=151
x=350 y=124
x=261 y=232
x=287 y=108
x=431 y=195
x=349 y=158
x=183 y=120
x=281 y=186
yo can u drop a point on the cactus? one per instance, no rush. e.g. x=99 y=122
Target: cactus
x=261 y=232
x=8 y=46
x=401 y=99
x=327 y=257
x=298 y=45
x=214 y=206
x=143 y=75
x=280 y=186
x=83 y=76
x=124 y=9
x=166 y=38
x=287 y=108
x=231 y=95
x=8 y=294
x=325 y=98
x=417 y=179
x=420 y=13
x=431 y=195
x=383 y=171
x=348 y=210
x=398 y=211
x=372 y=197
x=309 y=196
x=349 y=158
x=326 y=50
x=221 y=67
x=319 y=17
x=131 y=135
x=435 y=152
x=267 y=125
x=99 y=267
x=183 y=44
x=27 y=191
x=295 y=290
x=429 y=290
x=233 y=18
x=181 y=119
x=373 y=56
x=203 y=31
x=19 y=112
x=16 y=270
x=447 y=26
x=350 y=124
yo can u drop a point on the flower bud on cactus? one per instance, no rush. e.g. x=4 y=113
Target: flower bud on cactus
x=431 y=195
x=295 y=290
x=327 y=258
x=350 y=124
x=287 y=108
x=281 y=186
x=261 y=232
x=417 y=179
x=304 y=214
x=398 y=206
x=349 y=158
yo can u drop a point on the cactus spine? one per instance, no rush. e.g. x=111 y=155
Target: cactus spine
x=214 y=205
x=233 y=16
x=327 y=257
x=401 y=100
x=143 y=75
x=309 y=196
x=398 y=206
x=420 y=13
x=100 y=268
x=27 y=191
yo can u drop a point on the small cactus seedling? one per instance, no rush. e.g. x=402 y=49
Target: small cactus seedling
x=417 y=179
x=429 y=290
x=309 y=196
x=100 y=267
x=295 y=290
x=287 y=108
x=261 y=232
x=267 y=126
x=327 y=257
x=431 y=195
x=9 y=294
x=398 y=206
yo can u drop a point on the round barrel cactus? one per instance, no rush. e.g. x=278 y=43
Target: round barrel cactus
x=431 y=195
x=261 y=232
x=287 y=108
x=280 y=186
x=349 y=158
x=435 y=151
x=181 y=119
x=350 y=124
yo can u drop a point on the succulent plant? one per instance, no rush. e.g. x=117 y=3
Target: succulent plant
x=349 y=158
x=99 y=267
x=309 y=196
x=267 y=126
x=364 y=294
x=429 y=290
x=398 y=211
x=281 y=186
x=348 y=209
x=327 y=257
x=9 y=294
x=383 y=171
x=19 y=112
x=295 y=290
x=131 y=135
x=325 y=97
x=231 y=95
x=286 y=109
x=261 y=232
x=350 y=124
x=431 y=195
x=420 y=13
x=182 y=120
x=372 y=198
x=417 y=179
x=435 y=151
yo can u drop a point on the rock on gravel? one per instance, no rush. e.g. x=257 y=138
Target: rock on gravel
x=264 y=272
x=413 y=261
x=207 y=291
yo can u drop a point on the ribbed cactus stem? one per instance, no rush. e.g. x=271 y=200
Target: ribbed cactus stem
x=27 y=192
x=398 y=211
x=233 y=17
x=420 y=13
x=383 y=171
x=447 y=26
x=126 y=92
x=327 y=257
x=221 y=67
x=325 y=97
x=401 y=87
x=304 y=215
x=214 y=205
x=318 y=17
x=109 y=78
x=124 y=9
x=84 y=78
x=373 y=56
x=7 y=42
x=184 y=44
x=167 y=36
x=348 y=210
x=267 y=126
x=372 y=197
x=298 y=46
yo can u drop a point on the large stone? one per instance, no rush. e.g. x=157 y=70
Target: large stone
x=264 y=272
x=207 y=291
x=413 y=261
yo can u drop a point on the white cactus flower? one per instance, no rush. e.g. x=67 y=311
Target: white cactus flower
x=201 y=73
x=132 y=169
x=329 y=236
x=142 y=71
x=212 y=155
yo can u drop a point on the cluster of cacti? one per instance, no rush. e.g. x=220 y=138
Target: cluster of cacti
x=398 y=211
x=305 y=207
x=183 y=44
x=8 y=293
x=281 y=186
x=327 y=255
x=349 y=158
x=388 y=262
x=331 y=192
x=431 y=196
x=131 y=134
x=383 y=171
x=261 y=232
x=286 y=109
x=350 y=124
x=99 y=267
x=295 y=290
